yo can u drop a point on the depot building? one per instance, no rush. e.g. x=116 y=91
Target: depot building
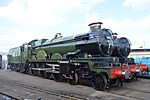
x=139 y=53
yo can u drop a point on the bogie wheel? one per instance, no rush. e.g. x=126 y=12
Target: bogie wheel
x=114 y=82
x=57 y=77
x=74 y=79
x=99 y=82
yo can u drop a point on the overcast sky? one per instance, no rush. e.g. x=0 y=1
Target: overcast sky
x=24 y=20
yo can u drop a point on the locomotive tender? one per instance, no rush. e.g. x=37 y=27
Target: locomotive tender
x=92 y=57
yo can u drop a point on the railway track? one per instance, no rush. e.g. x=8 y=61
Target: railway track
x=130 y=91
x=127 y=91
x=124 y=95
x=13 y=97
x=57 y=93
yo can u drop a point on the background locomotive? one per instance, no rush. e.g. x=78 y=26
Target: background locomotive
x=92 y=56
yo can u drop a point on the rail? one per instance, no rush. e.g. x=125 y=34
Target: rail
x=62 y=94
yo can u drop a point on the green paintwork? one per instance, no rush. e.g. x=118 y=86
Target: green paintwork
x=14 y=55
x=55 y=50
x=63 y=48
x=15 y=59
x=95 y=66
x=41 y=55
x=61 y=45
x=26 y=53
x=56 y=56
x=98 y=68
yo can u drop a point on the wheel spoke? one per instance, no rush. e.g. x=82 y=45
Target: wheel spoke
x=99 y=82
x=75 y=79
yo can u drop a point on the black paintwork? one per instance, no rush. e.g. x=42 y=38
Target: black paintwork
x=121 y=47
x=96 y=43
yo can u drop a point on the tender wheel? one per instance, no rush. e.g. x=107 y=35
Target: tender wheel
x=12 y=67
x=114 y=82
x=74 y=79
x=99 y=82
x=57 y=77
x=22 y=68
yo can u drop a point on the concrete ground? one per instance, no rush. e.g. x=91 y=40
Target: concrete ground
x=133 y=90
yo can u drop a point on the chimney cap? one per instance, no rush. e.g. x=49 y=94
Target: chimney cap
x=95 y=23
x=115 y=33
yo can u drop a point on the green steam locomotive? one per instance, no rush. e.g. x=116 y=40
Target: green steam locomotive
x=90 y=57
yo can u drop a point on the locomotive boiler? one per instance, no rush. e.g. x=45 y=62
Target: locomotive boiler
x=97 y=42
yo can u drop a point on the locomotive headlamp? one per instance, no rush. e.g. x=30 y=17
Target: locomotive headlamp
x=138 y=70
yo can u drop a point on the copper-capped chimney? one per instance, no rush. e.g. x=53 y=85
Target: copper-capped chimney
x=95 y=26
